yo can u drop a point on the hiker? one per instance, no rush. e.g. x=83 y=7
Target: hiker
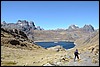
x=76 y=54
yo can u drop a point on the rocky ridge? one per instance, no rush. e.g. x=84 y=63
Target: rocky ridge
x=16 y=38
x=23 y=25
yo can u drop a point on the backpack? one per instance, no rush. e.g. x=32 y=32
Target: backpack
x=76 y=53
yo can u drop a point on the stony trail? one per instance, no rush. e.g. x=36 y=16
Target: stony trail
x=86 y=59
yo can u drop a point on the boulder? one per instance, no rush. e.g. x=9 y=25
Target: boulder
x=14 y=42
x=48 y=64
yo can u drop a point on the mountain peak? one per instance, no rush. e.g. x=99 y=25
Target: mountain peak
x=73 y=27
x=31 y=23
x=89 y=28
x=22 y=23
x=3 y=23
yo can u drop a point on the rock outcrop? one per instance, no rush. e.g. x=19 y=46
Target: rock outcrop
x=3 y=23
x=73 y=27
x=89 y=28
x=17 y=39
x=86 y=28
x=39 y=28
x=23 y=25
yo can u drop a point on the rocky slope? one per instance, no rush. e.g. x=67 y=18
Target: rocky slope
x=89 y=44
x=16 y=39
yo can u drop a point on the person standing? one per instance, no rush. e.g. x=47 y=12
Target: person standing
x=76 y=54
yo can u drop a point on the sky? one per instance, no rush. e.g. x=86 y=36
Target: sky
x=52 y=14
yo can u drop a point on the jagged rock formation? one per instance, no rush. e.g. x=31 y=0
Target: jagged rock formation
x=89 y=28
x=39 y=28
x=15 y=33
x=86 y=28
x=3 y=23
x=23 y=25
x=16 y=38
x=73 y=27
x=26 y=25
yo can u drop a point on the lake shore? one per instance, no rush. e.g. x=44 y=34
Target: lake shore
x=52 y=41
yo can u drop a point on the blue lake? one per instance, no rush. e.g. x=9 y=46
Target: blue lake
x=64 y=44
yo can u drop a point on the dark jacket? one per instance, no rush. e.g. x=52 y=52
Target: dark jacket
x=76 y=52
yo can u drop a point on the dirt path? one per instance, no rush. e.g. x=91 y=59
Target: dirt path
x=86 y=59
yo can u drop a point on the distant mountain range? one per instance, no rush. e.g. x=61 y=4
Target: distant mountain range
x=88 y=28
x=29 y=28
x=22 y=25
